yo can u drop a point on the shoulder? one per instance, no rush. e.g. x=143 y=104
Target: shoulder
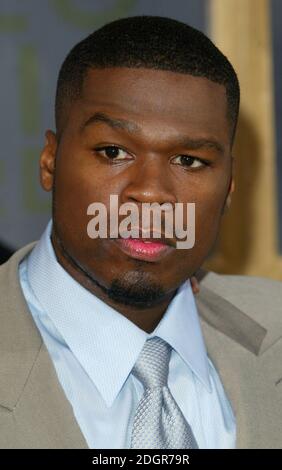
x=259 y=297
x=9 y=281
x=250 y=287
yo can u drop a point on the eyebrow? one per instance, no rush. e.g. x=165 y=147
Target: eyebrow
x=195 y=144
x=112 y=122
x=118 y=123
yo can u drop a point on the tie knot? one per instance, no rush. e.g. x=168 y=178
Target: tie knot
x=151 y=367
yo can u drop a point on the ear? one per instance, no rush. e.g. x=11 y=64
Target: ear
x=47 y=161
x=231 y=190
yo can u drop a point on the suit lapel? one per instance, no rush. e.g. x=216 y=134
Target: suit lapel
x=230 y=320
x=233 y=341
x=28 y=380
x=53 y=426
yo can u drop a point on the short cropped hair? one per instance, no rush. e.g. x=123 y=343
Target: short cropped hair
x=151 y=42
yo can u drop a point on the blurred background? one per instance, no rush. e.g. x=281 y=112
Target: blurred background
x=36 y=35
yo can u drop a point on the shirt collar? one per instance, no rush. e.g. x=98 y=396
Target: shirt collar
x=105 y=342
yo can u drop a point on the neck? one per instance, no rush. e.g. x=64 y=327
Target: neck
x=146 y=318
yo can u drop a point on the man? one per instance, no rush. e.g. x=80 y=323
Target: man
x=103 y=344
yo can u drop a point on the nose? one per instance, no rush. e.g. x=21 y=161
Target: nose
x=149 y=182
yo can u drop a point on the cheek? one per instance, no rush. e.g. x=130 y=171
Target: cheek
x=208 y=211
x=73 y=193
x=209 y=196
x=83 y=181
x=77 y=186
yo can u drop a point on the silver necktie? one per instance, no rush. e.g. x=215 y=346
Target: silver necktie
x=158 y=422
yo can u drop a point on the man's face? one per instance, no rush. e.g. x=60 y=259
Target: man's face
x=174 y=147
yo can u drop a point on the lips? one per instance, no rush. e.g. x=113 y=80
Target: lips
x=144 y=249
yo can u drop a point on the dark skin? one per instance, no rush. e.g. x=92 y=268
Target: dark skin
x=168 y=115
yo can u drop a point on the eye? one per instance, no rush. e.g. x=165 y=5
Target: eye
x=188 y=161
x=112 y=152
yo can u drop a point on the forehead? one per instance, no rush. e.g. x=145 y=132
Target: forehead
x=155 y=96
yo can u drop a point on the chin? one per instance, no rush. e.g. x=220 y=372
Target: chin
x=139 y=289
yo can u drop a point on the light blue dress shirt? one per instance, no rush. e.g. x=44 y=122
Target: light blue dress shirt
x=94 y=348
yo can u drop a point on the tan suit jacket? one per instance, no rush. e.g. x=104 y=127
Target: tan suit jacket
x=241 y=320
